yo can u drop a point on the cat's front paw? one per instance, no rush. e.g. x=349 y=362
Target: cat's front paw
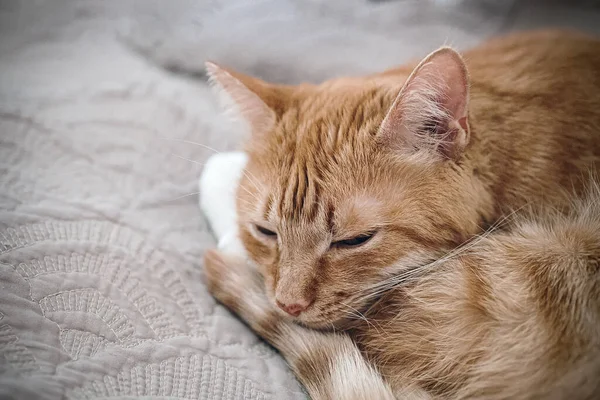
x=221 y=278
x=239 y=287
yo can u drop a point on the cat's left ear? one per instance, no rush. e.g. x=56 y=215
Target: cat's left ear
x=431 y=111
x=253 y=100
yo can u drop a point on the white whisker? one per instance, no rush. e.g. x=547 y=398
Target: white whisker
x=387 y=284
x=254 y=196
x=189 y=142
x=184 y=196
x=252 y=179
x=358 y=315
x=188 y=159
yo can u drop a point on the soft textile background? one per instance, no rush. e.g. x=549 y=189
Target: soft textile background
x=101 y=240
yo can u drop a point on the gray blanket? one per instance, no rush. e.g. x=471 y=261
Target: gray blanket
x=101 y=146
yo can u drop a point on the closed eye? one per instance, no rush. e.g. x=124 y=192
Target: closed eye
x=265 y=232
x=355 y=241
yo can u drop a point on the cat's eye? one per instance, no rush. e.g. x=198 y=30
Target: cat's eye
x=355 y=241
x=265 y=232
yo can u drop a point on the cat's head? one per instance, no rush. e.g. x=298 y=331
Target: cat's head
x=351 y=181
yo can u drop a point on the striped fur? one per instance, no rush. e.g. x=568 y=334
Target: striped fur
x=516 y=315
x=422 y=160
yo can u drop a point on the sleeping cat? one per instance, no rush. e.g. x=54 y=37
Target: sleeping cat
x=357 y=192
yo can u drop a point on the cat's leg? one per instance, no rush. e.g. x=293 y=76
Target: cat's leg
x=329 y=365
x=218 y=184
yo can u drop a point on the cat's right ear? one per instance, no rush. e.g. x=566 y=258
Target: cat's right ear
x=430 y=113
x=251 y=99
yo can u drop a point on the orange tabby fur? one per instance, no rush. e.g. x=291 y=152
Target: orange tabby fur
x=351 y=156
x=515 y=315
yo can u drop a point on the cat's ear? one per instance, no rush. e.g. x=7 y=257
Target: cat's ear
x=431 y=111
x=243 y=96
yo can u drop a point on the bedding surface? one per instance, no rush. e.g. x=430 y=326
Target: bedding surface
x=102 y=141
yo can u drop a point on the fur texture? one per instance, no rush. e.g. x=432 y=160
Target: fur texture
x=356 y=189
x=514 y=314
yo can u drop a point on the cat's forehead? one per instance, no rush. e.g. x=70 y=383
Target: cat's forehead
x=337 y=212
x=323 y=153
x=315 y=193
x=335 y=114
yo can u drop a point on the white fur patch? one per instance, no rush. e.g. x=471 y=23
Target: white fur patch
x=352 y=378
x=218 y=184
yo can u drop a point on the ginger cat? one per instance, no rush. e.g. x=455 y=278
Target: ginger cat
x=359 y=192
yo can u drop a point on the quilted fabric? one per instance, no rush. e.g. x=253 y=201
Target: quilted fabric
x=101 y=238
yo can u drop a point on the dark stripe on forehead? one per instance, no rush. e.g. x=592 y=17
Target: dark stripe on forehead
x=301 y=192
x=299 y=199
x=296 y=191
x=314 y=193
x=290 y=196
x=329 y=216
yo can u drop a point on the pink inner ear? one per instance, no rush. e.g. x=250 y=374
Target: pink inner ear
x=445 y=69
x=436 y=94
x=244 y=92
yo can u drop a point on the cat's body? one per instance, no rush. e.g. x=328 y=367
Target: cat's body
x=514 y=316
x=355 y=186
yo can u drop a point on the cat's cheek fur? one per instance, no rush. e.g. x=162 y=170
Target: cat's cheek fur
x=260 y=252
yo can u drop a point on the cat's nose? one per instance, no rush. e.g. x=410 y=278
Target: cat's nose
x=294 y=309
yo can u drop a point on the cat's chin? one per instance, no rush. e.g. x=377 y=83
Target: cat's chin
x=326 y=324
x=313 y=322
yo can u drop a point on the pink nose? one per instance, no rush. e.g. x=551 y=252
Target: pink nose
x=293 y=309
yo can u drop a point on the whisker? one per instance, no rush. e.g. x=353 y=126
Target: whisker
x=252 y=180
x=332 y=327
x=248 y=174
x=202 y=164
x=398 y=279
x=199 y=163
x=188 y=159
x=254 y=196
x=357 y=314
x=184 y=196
x=189 y=142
